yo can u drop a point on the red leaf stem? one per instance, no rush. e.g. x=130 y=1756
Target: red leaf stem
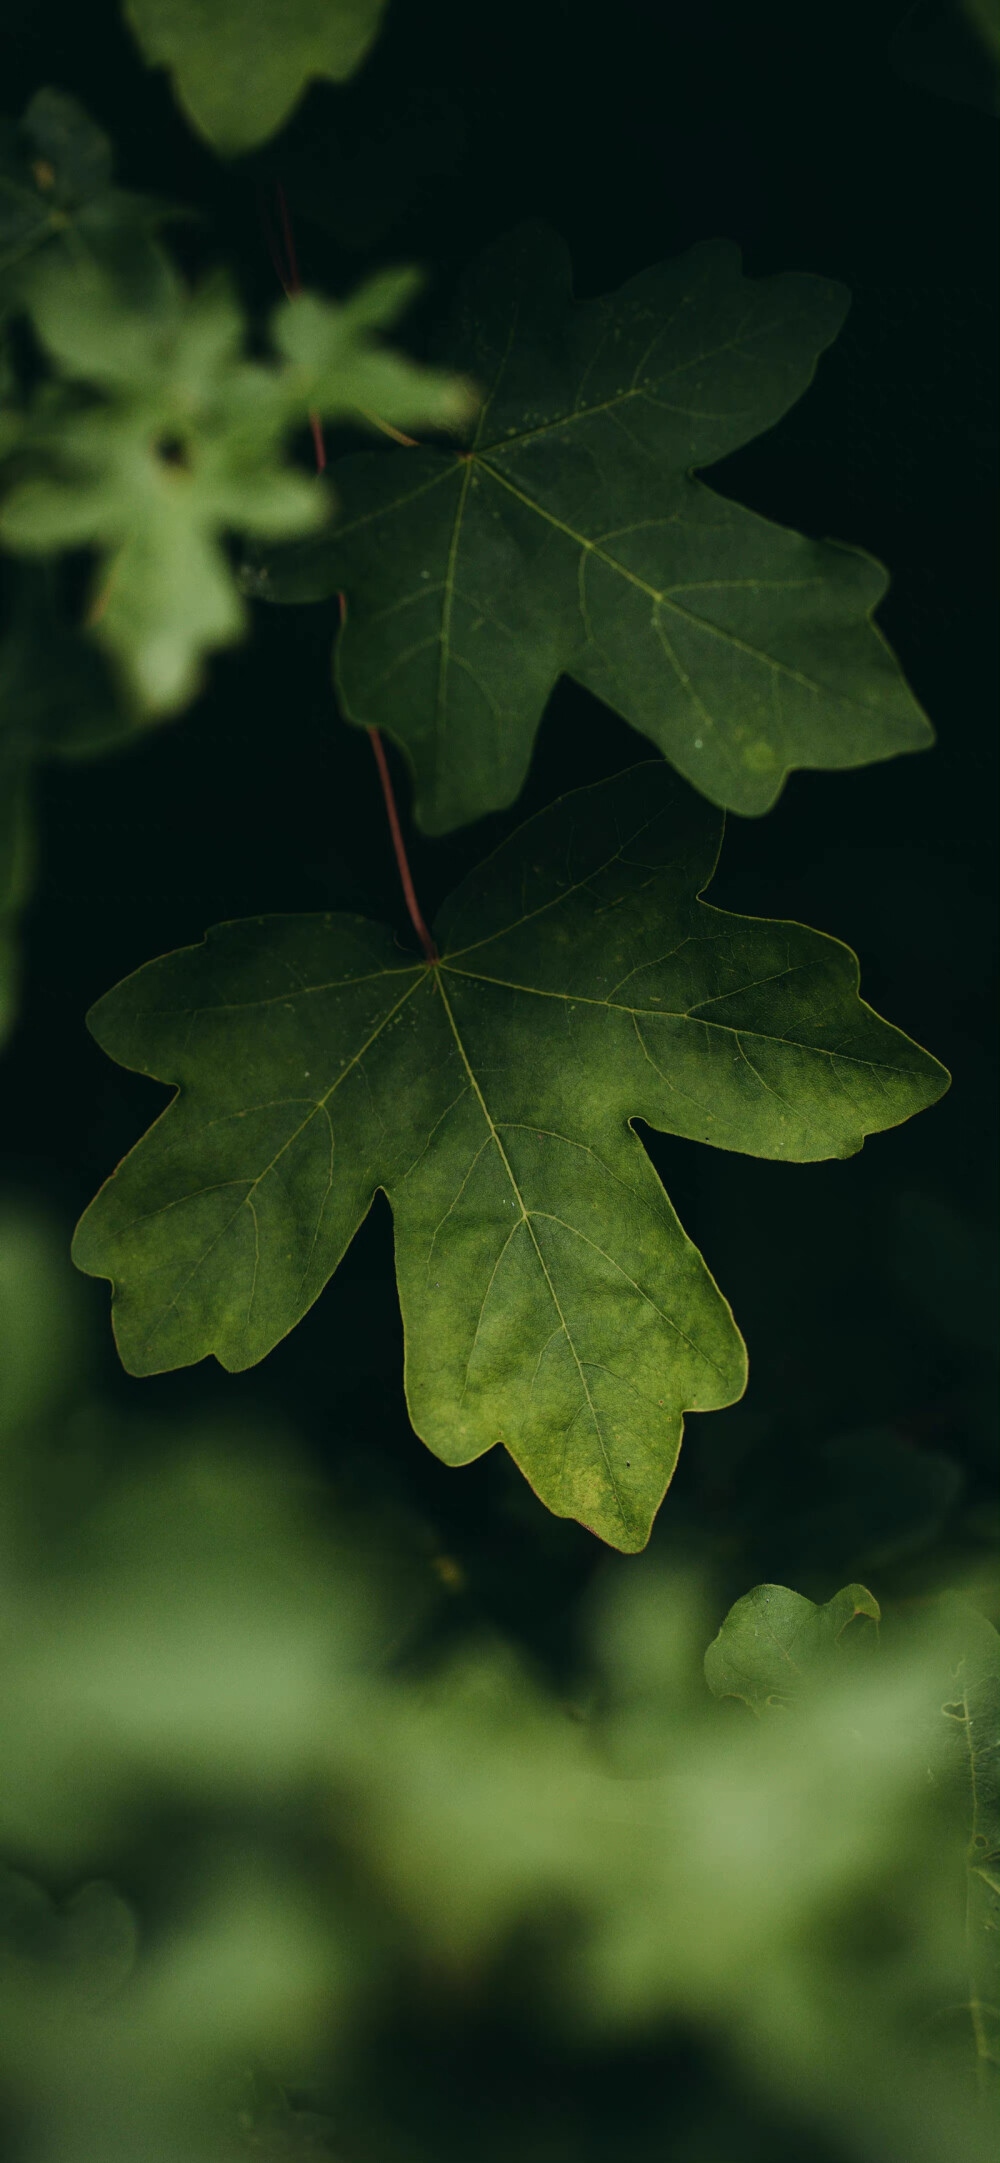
x=287 y=268
x=402 y=863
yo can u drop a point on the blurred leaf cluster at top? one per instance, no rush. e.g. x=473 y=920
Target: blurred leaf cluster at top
x=137 y=434
x=292 y=1868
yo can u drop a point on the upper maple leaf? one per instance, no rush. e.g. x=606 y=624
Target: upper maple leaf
x=551 y=1300
x=569 y=534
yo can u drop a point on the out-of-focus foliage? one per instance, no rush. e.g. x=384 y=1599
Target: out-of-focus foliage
x=158 y=436
x=134 y=426
x=774 y=1644
x=969 y=1719
x=250 y=1812
x=239 y=66
x=57 y=194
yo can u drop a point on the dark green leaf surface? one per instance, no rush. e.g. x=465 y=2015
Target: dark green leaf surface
x=551 y=1300
x=776 y=1648
x=239 y=67
x=570 y=535
x=774 y=1643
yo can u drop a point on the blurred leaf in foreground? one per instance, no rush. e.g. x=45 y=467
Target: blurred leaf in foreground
x=966 y=1735
x=239 y=67
x=196 y=1688
x=162 y=437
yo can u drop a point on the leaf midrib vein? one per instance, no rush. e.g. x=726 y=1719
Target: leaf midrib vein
x=662 y=597
x=526 y=1219
x=635 y=390
x=662 y=1013
x=448 y=601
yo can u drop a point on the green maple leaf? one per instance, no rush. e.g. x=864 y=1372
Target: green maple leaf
x=569 y=535
x=56 y=189
x=162 y=437
x=775 y=1644
x=239 y=67
x=551 y=1300
x=776 y=1648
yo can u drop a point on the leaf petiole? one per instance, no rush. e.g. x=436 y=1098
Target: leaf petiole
x=288 y=273
x=402 y=861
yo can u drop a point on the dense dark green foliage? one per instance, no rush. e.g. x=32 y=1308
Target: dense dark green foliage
x=445 y=1932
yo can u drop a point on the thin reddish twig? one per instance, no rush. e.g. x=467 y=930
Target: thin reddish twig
x=402 y=862
x=319 y=442
x=287 y=270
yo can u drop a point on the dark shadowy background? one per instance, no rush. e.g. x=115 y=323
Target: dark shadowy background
x=863 y=1288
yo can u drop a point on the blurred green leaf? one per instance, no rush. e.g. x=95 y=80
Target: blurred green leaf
x=774 y=1643
x=40 y=1309
x=569 y=535
x=86 y=1946
x=195 y=1686
x=582 y=987
x=161 y=438
x=965 y=1734
x=56 y=189
x=239 y=68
